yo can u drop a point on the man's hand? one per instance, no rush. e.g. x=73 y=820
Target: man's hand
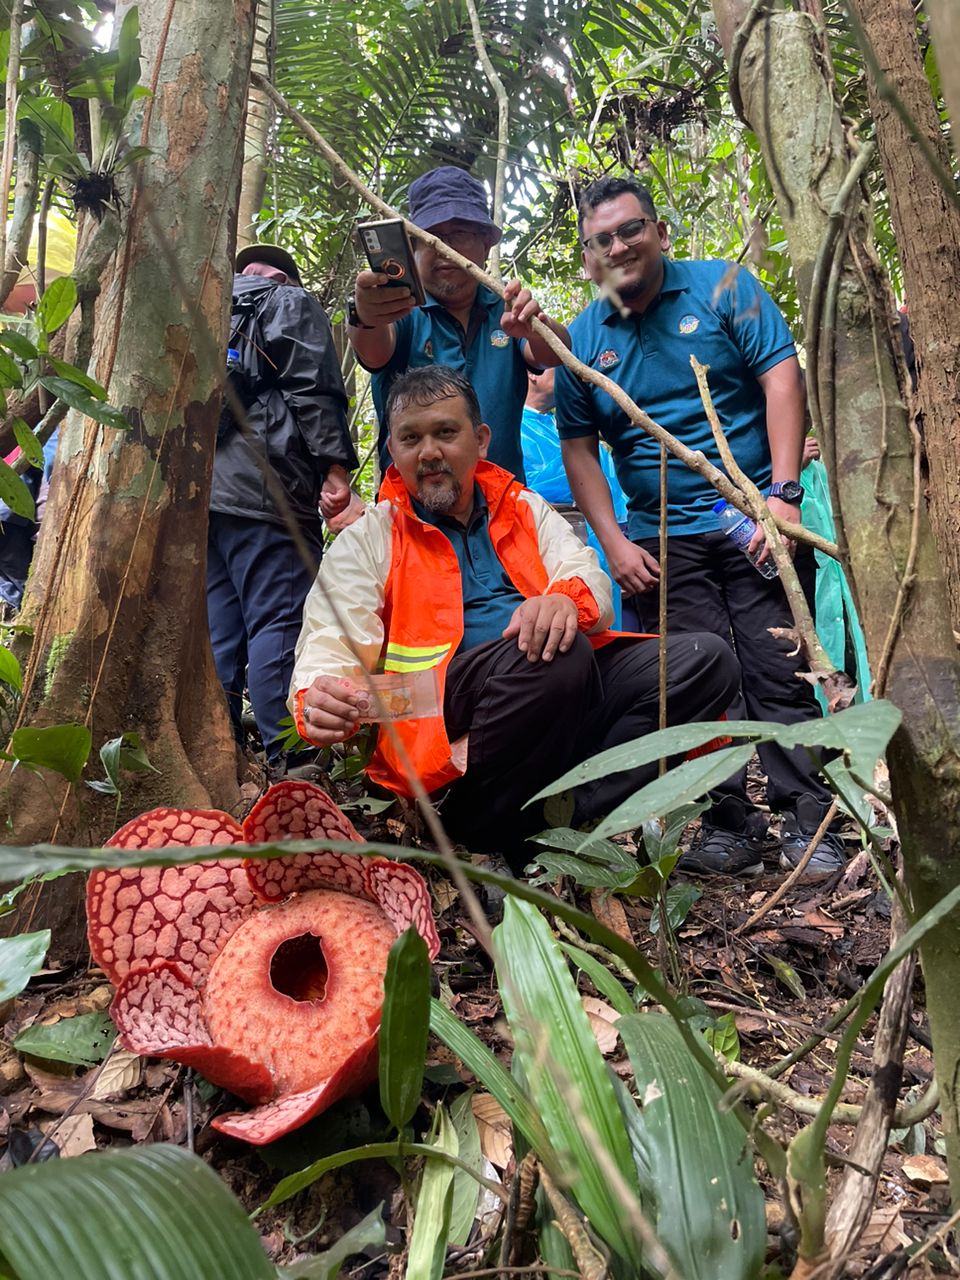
x=544 y=626
x=520 y=308
x=351 y=513
x=783 y=511
x=334 y=492
x=632 y=568
x=378 y=305
x=332 y=707
x=811 y=451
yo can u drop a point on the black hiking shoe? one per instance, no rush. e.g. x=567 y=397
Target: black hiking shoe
x=730 y=841
x=798 y=829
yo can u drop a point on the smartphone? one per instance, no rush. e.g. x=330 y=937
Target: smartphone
x=388 y=249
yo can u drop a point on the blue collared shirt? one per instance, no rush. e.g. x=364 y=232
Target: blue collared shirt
x=722 y=315
x=489 y=596
x=492 y=361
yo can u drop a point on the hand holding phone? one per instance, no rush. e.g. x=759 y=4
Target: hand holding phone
x=389 y=252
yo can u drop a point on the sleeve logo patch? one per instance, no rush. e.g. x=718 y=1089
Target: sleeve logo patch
x=689 y=324
x=607 y=359
x=428 y=349
x=499 y=339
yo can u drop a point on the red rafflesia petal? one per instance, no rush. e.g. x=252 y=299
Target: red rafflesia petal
x=327 y=999
x=272 y=1121
x=301 y=811
x=404 y=898
x=137 y=915
x=159 y=1012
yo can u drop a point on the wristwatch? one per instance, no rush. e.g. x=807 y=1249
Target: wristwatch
x=789 y=490
x=353 y=318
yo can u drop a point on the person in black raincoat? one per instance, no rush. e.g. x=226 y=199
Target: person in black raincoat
x=286 y=455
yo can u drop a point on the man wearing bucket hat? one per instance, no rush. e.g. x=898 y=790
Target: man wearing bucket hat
x=291 y=438
x=462 y=324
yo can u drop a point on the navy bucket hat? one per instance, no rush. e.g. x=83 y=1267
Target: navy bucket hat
x=449 y=192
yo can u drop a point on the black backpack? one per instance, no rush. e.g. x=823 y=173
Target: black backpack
x=249 y=368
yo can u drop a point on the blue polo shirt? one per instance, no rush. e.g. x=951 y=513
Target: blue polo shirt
x=722 y=315
x=491 y=361
x=489 y=596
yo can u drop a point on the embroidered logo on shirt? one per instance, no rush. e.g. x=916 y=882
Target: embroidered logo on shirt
x=689 y=324
x=428 y=349
x=499 y=339
x=608 y=358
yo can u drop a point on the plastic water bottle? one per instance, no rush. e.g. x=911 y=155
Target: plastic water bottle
x=740 y=529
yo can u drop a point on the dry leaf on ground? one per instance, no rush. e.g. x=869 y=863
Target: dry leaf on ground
x=925 y=1171
x=602 y=1017
x=493 y=1124
x=609 y=911
x=885 y=1229
x=73 y=1135
x=120 y=1072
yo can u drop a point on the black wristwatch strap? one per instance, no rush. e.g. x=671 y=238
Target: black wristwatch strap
x=788 y=490
x=353 y=319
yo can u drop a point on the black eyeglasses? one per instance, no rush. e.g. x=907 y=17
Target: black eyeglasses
x=627 y=233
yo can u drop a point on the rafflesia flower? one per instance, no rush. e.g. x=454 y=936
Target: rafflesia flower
x=266 y=976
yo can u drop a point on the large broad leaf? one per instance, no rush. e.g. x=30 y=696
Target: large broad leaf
x=156 y=1212
x=466 y=1190
x=427 y=1249
x=863 y=731
x=709 y=1206
x=15 y=493
x=64 y=748
x=57 y=304
x=28 y=442
x=689 y=781
x=77 y=398
x=10 y=672
x=84 y=1040
x=567 y=1078
x=20 y=958
x=404 y=1027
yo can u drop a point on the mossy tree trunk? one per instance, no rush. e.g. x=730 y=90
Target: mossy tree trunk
x=927 y=226
x=890 y=549
x=117 y=599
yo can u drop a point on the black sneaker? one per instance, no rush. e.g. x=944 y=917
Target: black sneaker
x=730 y=841
x=798 y=829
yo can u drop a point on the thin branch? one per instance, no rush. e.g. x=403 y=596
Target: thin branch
x=503 y=128
x=781 y=890
x=693 y=459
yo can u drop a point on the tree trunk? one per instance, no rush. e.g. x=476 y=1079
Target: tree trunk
x=117 y=599
x=261 y=115
x=945 y=25
x=871 y=457
x=927 y=226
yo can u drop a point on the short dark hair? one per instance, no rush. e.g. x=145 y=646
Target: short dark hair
x=608 y=188
x=426 y=385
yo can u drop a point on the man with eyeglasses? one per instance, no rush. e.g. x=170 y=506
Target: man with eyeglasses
x=462 y=324
x=657 y=312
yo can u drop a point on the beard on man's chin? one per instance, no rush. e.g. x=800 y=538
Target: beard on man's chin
x=438 y=500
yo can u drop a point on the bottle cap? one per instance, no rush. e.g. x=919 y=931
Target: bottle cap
x=719 y=506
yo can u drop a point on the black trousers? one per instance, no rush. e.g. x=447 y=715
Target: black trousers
x=712 y=586
x=530 y=722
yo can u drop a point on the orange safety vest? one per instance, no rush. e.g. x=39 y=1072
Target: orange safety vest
x=423 y=612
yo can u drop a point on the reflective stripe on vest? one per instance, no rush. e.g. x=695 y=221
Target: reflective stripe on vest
x=406 y=657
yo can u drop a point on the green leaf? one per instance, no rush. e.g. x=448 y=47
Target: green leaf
x=10 y=375
x=10 y=672
x=16 y=342
x=601 y=977
x=78 y=399
x=678 y=899
x=64 y=748
x=601 y=864
x=156 y=1211
x=709 y=1207
x=15 y=493
x=404 y=1027
x=56 y=306
x=131 y=156
x=73 y=374
x=20 y=958
x=787 y=975
x=427 y=1248
x=125 y=752
x=128 y=61
x=688 y=781
x=568 y=1079
x=723 y=1037
x=368 y=1234
x=466 y=1190
x=28 y=442
x=84 y=1040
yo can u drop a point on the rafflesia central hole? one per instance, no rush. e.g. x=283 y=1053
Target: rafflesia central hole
x=299 y=968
